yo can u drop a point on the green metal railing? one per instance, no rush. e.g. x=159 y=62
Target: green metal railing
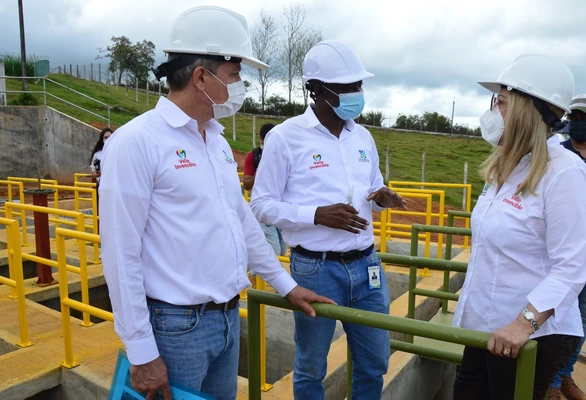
x=446 y=266
x=525 y=363
x=448 y=254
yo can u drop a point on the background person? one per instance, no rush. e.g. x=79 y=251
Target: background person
x=319 y=181
x=96 y=157
x=96 y=160
x=528 y=255
x=563 y=382
x=251 y=163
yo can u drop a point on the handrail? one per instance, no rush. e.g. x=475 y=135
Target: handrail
x=75 y=91
x=45 y=93
x=467 y=187
x=445 y=294
x=386 y=216
x=21 y=199
x=79 y=107
x=67 y=303
x=442 y=201
x=16 y=279
x=80 y=226
x=94 y=216
x=525 y=363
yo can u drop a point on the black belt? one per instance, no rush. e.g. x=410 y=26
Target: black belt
x=346 y=256
x=210 y=306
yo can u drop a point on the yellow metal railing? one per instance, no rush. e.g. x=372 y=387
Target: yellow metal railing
x=67 y=303
x=385 y=222
x=16 y=280
x=466 y=187
x=439 y=215
x=32 y=180
x=94 y=217
x=81 y=270
x=21 y=199
x=77 y=176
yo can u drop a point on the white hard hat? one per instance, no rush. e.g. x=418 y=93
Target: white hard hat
x=538 y=76
x=213 y=31
x=331 y=61
x=579 y=103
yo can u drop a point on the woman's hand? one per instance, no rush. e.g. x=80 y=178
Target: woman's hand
x=508 y=340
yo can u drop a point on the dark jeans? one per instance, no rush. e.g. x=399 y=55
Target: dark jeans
x=483 y=376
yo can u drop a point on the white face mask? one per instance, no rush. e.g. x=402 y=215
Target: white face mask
x=492 y=126
x=236 y=93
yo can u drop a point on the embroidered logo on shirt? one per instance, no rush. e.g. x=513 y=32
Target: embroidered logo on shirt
x=487 y=186
x=363 y=157
x=183 y=160
x=229 y=159
x=317 y=162
x=514 y=201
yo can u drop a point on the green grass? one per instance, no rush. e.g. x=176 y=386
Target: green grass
x=445 y=156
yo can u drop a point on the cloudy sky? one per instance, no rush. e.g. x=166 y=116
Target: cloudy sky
x=424 y=53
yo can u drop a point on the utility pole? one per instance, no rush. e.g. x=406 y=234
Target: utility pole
x=453 y=106
x=22 y=46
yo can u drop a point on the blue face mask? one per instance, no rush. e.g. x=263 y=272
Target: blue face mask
x=351 y=105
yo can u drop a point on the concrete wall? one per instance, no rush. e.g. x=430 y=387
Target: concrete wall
x=41 y=138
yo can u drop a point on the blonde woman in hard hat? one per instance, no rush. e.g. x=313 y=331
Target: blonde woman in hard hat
x=177 y=235
x=528 y=227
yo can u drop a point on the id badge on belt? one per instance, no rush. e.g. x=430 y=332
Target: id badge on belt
x=374 y=281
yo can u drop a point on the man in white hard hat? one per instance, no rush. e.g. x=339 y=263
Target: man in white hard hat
x=563 y=383
x=177 y=235
x=320 y=181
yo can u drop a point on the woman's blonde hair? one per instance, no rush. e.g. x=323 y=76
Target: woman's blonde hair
x=525 y=132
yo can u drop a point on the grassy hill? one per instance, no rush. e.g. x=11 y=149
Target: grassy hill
x=445 y=155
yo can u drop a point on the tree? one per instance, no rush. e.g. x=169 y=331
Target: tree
x=373 y=118
x=265 y=48
x=311 y=37
x=293 y=32
x=435 y=122
x=276 y=105
x=137 y=59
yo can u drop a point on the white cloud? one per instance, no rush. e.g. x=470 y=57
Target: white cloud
x=423 y=52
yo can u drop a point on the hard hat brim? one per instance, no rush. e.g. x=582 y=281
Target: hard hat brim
x=342 y=81
x=250 y=61
x=495 y=87
x=579 y=107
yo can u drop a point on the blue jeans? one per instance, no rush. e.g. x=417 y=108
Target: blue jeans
x=569 y=367
x=347 y=285
x=200 y=348
x=275 y=239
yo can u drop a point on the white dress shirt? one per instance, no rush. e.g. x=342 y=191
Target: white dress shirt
x=303 y=167
x=174 y=224
x=529 y=249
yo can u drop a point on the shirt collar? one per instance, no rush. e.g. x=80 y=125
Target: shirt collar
x=309 y=120
x=176 y=118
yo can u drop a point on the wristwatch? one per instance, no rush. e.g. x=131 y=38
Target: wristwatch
x=530 y=316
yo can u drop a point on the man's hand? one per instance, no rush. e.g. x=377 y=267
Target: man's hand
x=301 y=298
x=387 y=198
x=340 y=216
x=151 y=377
